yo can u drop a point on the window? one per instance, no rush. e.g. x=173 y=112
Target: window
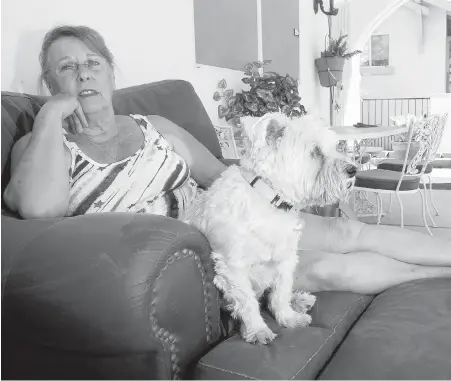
x=376 y=51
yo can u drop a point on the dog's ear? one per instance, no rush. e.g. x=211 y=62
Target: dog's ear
x=274 y=131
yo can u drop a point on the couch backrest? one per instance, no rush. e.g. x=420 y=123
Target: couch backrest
x=18 y=114
x=175 y=100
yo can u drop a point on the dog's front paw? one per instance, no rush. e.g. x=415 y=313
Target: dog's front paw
x=262 y=335
x=302 y=301
x=293 y=319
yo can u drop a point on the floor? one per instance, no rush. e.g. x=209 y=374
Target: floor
x=412 y=208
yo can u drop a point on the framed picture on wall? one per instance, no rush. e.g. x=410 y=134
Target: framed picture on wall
x=227 y=142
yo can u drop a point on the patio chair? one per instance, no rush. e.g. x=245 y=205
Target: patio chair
x=406 y=181
x=397 y=165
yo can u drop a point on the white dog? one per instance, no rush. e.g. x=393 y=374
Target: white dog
x=254 y=241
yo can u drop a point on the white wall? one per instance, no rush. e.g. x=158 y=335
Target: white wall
x=205 y=80
x=417 y=74
x=363 y=16
x=439 y=105
x=151 y=39
x=312 y=30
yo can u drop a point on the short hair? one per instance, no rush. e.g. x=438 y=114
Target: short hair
x=91 y=38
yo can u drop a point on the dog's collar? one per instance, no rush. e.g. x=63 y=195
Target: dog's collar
x=265 y=190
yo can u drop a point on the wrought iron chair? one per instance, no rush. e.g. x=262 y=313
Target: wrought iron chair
x=397 y=165
x=383 y=181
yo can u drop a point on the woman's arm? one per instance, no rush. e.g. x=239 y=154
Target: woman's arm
x=39 y=185
x=205 y=167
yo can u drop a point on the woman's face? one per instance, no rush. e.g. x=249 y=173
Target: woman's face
x=76 y=70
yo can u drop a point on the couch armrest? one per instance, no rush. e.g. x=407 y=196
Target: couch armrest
x=115 y=296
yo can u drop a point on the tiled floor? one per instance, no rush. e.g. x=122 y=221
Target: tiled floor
x=441 y=178
x=412 y=213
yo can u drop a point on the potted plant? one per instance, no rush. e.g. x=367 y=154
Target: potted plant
x=268 y=92
x=330 y=65
x=401 y=141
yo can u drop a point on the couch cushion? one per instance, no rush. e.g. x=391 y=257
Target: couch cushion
x=175 y=100
x=295 y=353
x=383 y=179
x=404 y=334
x=397 y=164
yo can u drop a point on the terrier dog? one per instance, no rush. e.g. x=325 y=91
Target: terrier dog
x=254 y=241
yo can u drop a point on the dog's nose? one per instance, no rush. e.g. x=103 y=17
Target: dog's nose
x=351 y=170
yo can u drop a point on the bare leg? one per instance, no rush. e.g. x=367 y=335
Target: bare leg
x=364 y=273
x=405 y=245
x=341 y=235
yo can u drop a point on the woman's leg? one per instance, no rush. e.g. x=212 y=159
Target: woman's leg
x=364 y=273
x=342 y=235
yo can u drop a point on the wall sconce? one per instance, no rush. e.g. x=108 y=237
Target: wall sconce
x=332 y=11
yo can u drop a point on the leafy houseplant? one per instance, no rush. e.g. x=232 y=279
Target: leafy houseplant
x=330 y=65
x=268 y=92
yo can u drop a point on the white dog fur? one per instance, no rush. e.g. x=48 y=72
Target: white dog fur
x=254 y=243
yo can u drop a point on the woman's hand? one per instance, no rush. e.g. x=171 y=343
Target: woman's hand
x=69 y=110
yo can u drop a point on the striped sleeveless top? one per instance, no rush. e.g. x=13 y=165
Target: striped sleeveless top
x=153 y=180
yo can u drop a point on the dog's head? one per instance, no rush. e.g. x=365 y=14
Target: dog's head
x=298 y=157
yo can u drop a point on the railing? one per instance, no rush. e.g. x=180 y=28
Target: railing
x=379 y=111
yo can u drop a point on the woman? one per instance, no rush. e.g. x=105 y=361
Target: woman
x=82 y=158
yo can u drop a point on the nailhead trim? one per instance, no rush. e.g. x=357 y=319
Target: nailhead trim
x=206 y=298
x=166 y=336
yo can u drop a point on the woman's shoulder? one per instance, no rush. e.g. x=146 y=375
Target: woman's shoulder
x=161 y=124
x=154 y=122
x=169 y=130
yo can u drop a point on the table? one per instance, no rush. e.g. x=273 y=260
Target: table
x=362 y=133
x=363 y=206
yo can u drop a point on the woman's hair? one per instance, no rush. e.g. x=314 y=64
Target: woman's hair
x=91 y=38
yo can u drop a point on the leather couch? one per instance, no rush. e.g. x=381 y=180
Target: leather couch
x=123 y=296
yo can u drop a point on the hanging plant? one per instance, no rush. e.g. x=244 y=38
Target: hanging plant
x=330 y=65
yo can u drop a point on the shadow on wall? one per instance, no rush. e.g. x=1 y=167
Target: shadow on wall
x=27 y=68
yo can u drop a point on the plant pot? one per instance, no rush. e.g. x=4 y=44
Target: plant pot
x=327 y=66
x=400 y=149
